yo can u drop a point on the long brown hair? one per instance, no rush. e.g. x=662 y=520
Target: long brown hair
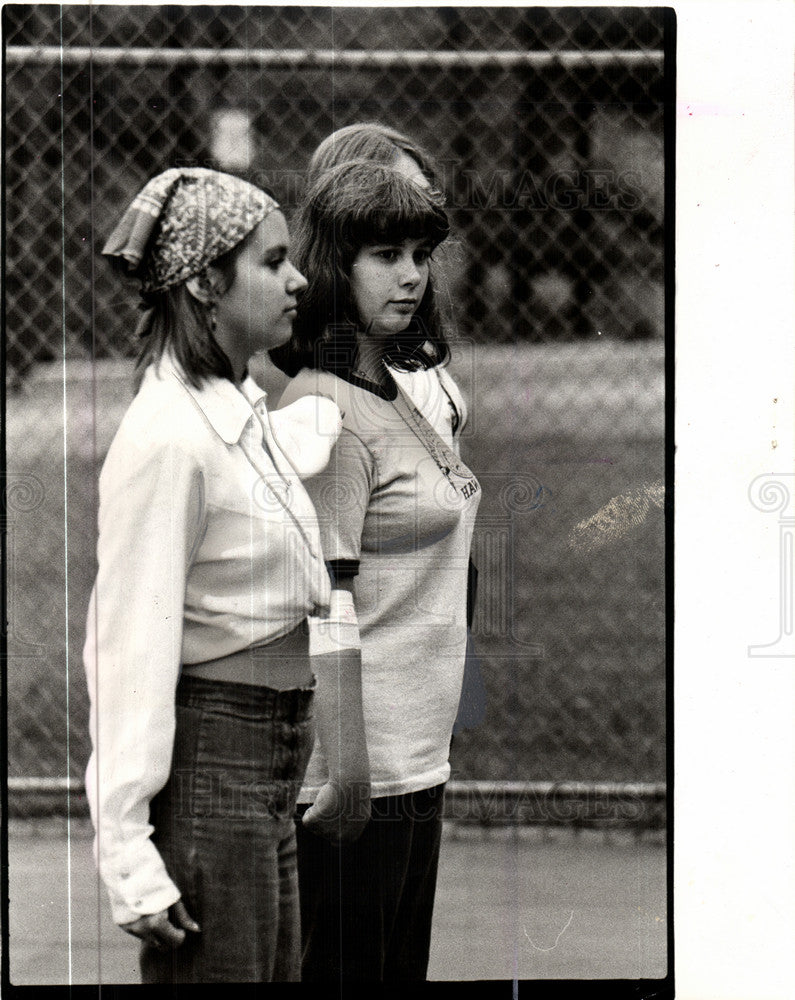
x=350 y=206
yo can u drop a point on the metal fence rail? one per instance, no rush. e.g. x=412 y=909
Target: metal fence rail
x=54 y=55
x=638 y=805
x=548 y=128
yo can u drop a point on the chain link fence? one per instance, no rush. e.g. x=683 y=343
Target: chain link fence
x=548 y=127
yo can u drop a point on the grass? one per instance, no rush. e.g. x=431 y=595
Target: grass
x=569 y=633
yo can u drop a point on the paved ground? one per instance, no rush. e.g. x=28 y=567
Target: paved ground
x=536 y=905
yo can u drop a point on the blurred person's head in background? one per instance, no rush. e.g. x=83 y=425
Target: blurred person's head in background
x=376 y=143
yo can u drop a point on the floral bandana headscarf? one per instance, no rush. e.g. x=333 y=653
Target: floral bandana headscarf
x=183 y=220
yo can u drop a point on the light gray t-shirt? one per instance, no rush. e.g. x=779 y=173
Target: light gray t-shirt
x=396 y=502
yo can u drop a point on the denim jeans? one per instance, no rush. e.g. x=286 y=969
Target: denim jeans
x=367 y=907
x=225 y=829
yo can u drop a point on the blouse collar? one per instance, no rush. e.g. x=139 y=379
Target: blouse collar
x=226 y=407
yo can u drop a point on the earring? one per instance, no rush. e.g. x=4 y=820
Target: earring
x=204 y=289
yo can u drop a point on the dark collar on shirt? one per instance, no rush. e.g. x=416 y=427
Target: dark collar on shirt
x=387 y=392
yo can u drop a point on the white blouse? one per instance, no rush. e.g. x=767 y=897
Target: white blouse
x=208 y=544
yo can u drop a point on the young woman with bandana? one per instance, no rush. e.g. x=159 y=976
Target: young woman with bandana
x=210 y=581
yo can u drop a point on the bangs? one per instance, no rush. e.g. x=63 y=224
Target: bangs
x=380 y=223
x=373 y=203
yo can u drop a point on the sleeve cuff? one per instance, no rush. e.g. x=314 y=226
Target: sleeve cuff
x=125 y=911
x=339 y=568
x=138 y=884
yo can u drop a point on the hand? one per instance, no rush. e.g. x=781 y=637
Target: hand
x=340 y=812
x=157 y=930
